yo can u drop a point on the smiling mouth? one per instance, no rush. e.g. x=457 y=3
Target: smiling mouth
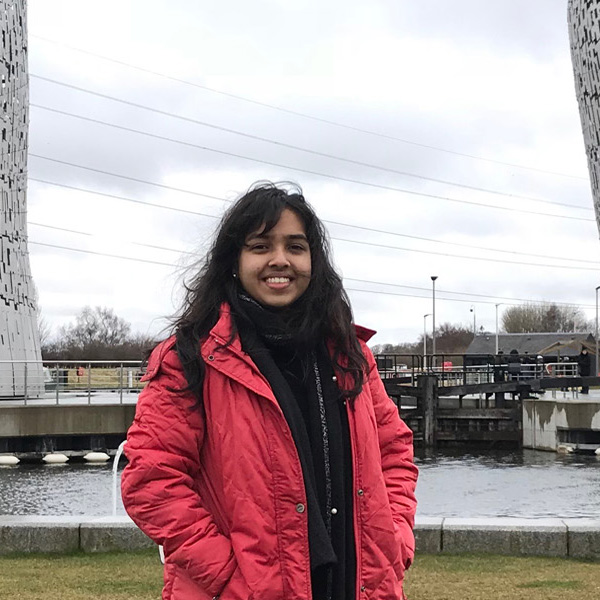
x=278 y=280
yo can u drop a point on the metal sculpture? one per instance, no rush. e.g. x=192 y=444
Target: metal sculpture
x=20 y=356
x=584 y=34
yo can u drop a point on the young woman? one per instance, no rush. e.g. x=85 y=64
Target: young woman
x=265 y=456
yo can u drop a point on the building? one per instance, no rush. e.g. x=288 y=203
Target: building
x=549 y=345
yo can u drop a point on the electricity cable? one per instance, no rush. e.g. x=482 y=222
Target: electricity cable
x=298 y=148
x=153 y=262
x=299 y=169
x=305 y=115
x=180 y=251
x=359 y=227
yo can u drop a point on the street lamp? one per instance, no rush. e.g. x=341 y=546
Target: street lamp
x=472 y=309
x=433 y=278
x=596 y=336
x=425 y=334
x=497 y=305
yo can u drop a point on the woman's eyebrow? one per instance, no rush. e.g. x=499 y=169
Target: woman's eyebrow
x=263 y=236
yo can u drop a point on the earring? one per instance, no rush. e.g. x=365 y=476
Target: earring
x=235 y=275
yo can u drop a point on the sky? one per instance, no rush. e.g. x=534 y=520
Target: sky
x=434 y=138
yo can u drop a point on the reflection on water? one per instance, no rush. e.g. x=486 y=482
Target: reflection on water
x=67 y=489
x=509 y=484
x=451 y=484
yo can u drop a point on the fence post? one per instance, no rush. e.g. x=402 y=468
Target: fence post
x=25 y=383
x=121 y=385
x=428 y=388
x=57 y=383
x=89 y=381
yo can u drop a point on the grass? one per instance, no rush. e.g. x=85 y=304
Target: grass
x=115 y=576
x=478 y=577
x=138 y=576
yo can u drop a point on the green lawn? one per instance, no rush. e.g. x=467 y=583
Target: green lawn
x=115 y=576
x=478 y=577
x=138 y=576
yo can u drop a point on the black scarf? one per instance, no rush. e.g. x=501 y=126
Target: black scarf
x=300 y=374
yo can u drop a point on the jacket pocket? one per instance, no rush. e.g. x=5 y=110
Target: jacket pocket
x=179 y=586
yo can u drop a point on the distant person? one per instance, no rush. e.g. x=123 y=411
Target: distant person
x=565 y=371
x=584 y=366
x=500 y=367
x=514 y=365
x=265 y=456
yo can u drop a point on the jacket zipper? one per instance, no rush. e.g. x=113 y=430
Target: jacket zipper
x=286 y=427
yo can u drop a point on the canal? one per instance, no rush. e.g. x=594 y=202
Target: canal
x=451 y=484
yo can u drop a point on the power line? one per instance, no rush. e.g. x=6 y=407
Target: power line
x=423 y=297
x=479 y=258
x=470 y=294
x=85 y=233
x=105 y=254
x=126 y=177
x=153 y=262
x=298 y=148
x=142 y=202
x=325 y=221
x=299 y=169
x=306 y=115
x=462 y=256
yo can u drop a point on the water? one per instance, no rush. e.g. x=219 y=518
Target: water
x=451 y=484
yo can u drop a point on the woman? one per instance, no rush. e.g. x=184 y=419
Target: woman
x=265 y=456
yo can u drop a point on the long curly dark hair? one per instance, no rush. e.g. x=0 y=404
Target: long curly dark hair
x=326 y=311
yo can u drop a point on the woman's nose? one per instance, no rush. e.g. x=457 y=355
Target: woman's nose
x=279 y=257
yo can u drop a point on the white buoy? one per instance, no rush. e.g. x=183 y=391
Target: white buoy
x=597 y=452
x=55 y=459
x=564 y=449
x=96 y=457
x=9 y=460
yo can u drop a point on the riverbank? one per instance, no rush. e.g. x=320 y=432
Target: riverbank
x=566 y=538
x=138 y=576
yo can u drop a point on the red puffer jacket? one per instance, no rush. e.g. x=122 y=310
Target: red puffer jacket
x=222 y=488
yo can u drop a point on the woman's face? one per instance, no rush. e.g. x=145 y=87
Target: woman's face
x=274 y=268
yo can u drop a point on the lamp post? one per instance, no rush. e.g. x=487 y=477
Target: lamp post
x=472 y=309
x=425 y=334
x=433 y=278
x=497 y=305
x=596 y=334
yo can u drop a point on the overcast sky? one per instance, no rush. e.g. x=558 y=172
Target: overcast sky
x=462 y=113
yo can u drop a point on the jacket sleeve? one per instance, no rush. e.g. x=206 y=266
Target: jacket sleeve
x=399 y=470
x=163 y=448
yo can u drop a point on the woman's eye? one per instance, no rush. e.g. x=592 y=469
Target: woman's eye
x=258 y=247
x=297 y=248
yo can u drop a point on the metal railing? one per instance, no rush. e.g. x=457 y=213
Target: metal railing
x=458 y=369
x=62 y=381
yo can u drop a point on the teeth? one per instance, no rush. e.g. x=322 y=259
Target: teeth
x=278 y=279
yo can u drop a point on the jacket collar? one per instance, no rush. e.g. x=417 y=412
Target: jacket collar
x=231 y=359
x=216 y=351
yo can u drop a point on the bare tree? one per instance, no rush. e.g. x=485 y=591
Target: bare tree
x=449 y=339
x=96 y=326
x=544 y=318
x=44 y=330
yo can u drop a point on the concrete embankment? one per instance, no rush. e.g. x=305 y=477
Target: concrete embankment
x=574 y=538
